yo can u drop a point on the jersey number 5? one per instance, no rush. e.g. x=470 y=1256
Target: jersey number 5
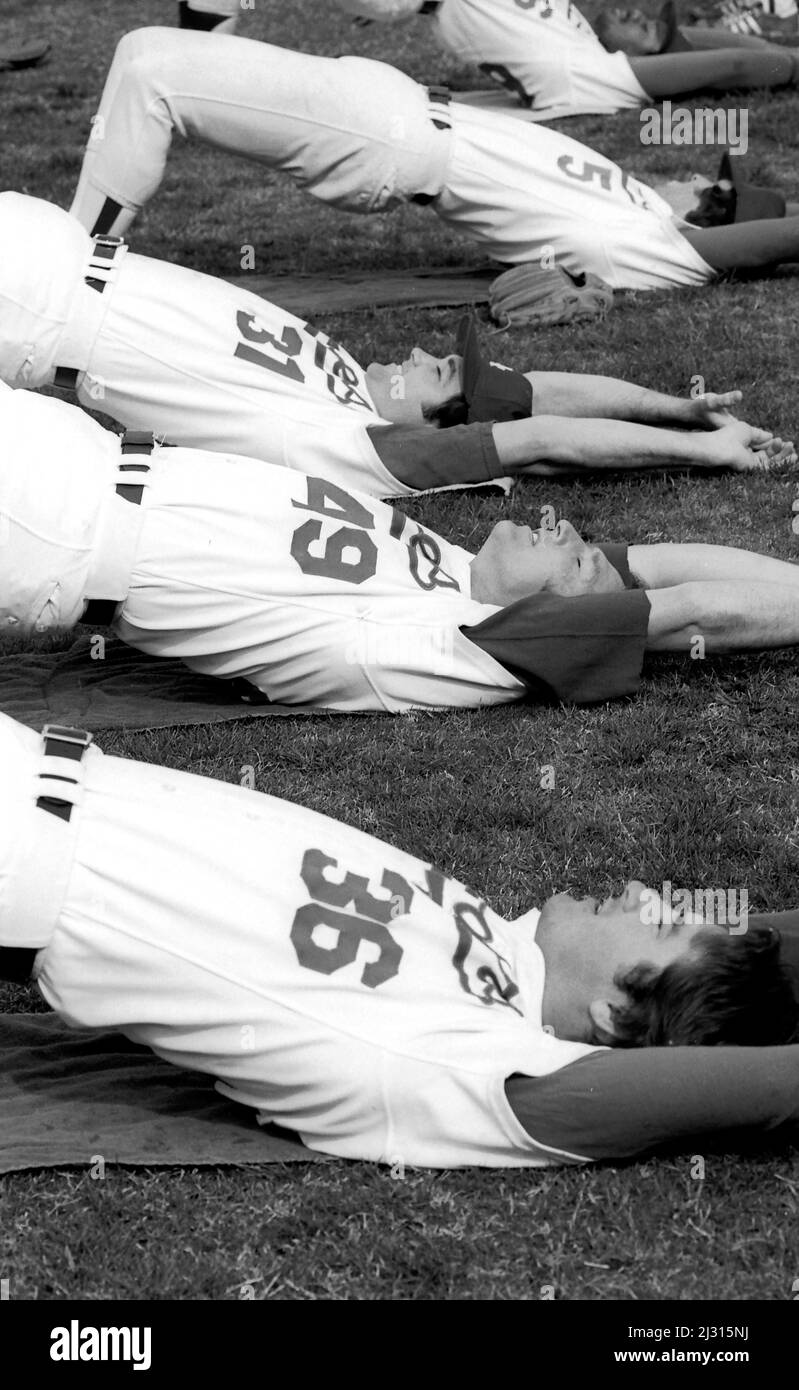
x=599 y=174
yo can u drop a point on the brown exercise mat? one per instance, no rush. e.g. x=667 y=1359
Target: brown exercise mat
x=79 y=1098
x=123 y=690
x=340 y=292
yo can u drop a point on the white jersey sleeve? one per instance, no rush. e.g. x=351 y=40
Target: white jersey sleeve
x=338 y=986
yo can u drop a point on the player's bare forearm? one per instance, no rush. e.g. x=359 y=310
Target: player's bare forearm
x=660 y=566
x=608 y=398
x=728 y=616
x=522 y=445
x=746 y=245
x=722 y=70
x=576 y=394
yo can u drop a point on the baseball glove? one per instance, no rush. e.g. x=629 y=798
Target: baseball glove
x=534 y=293
x=23 y=55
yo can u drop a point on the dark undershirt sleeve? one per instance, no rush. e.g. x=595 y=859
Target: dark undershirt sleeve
x=422 y=457
x=580 y=649
x=617 y=554
x=625 y=1102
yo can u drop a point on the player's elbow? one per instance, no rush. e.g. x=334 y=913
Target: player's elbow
x=681 y=614
x=535 y=440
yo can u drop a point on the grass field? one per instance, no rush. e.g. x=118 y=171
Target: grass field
x=694 y=781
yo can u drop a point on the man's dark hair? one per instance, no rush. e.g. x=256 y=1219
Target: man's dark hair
x=451 y=412
x=731 y=990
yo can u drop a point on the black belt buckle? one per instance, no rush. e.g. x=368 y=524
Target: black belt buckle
x=139 y=442
x=99 y=612
x=105 y=249
x=60 y=741
x=443 y=96
x=63 y=741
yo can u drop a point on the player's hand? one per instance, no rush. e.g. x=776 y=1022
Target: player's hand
x=711 y=411
x=745 y=449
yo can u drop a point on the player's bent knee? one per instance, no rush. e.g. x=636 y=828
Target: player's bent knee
x=153 y=43
x=149 y=72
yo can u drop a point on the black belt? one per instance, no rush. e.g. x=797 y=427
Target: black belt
x=444 y=96
x=105 y=249
x=16 y=962
x=99 y=612
x=430 y=6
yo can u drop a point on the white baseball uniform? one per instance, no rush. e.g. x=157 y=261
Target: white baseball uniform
x=544 y=51
x=243 y=570
x=312 y=594
x=335 y=984
x=519 y=189
x=208 y=365
x=364 y=137
x=340 y=987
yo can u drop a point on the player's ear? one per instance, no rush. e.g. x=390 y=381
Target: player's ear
x=601 y=1014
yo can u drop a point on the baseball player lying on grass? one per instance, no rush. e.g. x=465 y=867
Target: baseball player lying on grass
x=354 y=994
x=547 y=54
x=305 y=593
x=366 y=138
x=160 y=347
